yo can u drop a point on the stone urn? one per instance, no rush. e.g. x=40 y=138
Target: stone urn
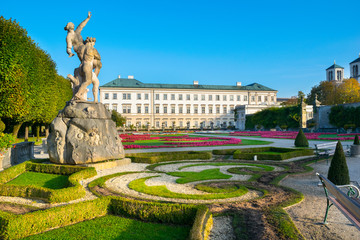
x=355 y=150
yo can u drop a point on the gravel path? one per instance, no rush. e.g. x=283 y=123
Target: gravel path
x=222 y=229
x=309 y=214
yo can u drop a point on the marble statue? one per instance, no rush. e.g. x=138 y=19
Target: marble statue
x=90 y=58
x=83 y=132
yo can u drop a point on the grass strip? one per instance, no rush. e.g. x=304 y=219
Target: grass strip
x=114 y=227
x=162 y=191
x=208 y=174
x=265 y=167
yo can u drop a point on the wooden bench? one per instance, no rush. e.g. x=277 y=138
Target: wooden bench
x=348 y=204
x=325 y=149
x=328 y=149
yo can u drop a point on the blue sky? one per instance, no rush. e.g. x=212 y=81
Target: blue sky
x=284 y=45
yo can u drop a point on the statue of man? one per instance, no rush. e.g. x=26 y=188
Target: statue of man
x=75 y=40
x=90 y=56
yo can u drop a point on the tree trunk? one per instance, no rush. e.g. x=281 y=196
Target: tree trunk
x=16 y=129
x=26 y=133
x=37 y=133
x=46 y=130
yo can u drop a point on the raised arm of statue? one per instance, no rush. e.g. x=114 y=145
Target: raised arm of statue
x=83 y=23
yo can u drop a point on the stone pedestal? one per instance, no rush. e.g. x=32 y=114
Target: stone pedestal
x=83 y=132
x=355 y=150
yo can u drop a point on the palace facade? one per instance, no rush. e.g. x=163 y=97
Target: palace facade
x=181 y=105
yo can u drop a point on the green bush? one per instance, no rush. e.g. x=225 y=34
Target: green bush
x=338 y=171
x=19 y=226
x=300 y=140
x=263 y=153
x=167 y=156
x=75 y=191
x=356 y=140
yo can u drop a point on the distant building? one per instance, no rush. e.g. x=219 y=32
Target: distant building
x=335 y=73
x=181 y=105
x=354 y=69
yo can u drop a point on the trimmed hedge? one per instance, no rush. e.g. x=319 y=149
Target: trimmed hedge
x=202 y=224
x=224 y=152
x=167 y=156
x=300 y=140
x=19 y=226
x=338 y=172
x=75 y=191
x=284 y=153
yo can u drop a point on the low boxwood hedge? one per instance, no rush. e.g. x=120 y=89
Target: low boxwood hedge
x=223 y=151
x=263 y=153
x=74 y=191
x=167 y=156
x=19 y=226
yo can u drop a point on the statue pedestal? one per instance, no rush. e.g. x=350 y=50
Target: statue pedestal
x=83 y=133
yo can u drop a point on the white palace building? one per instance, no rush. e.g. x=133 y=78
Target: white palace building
x=182 y=105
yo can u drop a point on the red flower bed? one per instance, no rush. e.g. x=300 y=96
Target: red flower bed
x=188 y=141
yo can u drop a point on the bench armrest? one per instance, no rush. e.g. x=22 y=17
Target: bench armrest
x=353 y=191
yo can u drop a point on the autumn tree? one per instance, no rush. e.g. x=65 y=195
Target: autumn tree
x=331 y=93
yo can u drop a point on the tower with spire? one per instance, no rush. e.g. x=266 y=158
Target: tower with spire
x=354 y=68
x=335 y=73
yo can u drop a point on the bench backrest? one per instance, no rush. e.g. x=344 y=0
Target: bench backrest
x=326 y=145
x=348 y=203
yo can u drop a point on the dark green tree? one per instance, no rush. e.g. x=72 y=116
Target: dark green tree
x=117 y=118
x=356 y=140
x=300 y=140
x=338 y=171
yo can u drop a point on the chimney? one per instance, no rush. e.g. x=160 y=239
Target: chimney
x=238 y=84
x=196 y=83
x=119 y=76
x=130 y=77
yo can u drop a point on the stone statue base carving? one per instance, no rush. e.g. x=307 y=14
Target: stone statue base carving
x=83 y=132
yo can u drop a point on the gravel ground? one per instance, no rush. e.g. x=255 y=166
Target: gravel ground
x=222 y=229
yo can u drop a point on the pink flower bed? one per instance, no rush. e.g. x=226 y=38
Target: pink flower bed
x=175 y=141
x=290 y=135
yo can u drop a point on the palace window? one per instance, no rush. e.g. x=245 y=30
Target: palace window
x=106 y=96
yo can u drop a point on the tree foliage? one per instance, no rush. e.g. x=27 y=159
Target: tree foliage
x=117 y=118
x=272 y=117
x=331 y=93
x=30 y=88
x=341 y=116
x=338 y=171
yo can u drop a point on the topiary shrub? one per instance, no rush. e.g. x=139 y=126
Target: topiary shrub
x=356 y=140
x=300 y=140
x=338 y=171
x=2 y=126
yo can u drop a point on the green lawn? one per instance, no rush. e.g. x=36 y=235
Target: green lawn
x=186 y=177
x=31 y=139
x=264 y=167
x=162 y=191
x=114 y=227
x=52 y=181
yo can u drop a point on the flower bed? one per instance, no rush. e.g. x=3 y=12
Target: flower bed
x=292 y=135
x=176 y=141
